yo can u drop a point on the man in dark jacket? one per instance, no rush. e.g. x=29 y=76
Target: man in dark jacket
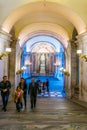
x=5 y=86
x=23 y=86
x=33 y=88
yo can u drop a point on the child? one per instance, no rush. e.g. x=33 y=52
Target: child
x=18 y=96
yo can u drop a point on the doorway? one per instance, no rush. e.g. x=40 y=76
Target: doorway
x=44 y=56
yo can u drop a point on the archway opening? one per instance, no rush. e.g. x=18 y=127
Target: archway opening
x=43 y=57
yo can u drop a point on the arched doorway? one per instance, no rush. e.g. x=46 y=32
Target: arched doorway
x=43 y=57
x=54 y=19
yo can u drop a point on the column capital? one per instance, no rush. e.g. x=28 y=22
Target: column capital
x=5 y=36
x=82 y=36
x=73 y=43
x=5 y=40
x=82 y=42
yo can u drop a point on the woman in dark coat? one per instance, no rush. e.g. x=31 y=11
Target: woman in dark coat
x=23 y=86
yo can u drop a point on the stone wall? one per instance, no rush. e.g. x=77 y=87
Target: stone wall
x=82 y=45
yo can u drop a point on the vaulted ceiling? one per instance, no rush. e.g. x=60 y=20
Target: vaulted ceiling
x=27 y=18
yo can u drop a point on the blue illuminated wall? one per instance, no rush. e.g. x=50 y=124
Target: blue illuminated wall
x=49 y=39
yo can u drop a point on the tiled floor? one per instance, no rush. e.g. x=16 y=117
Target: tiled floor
x=55 y=86
x=52 y=94
x=53 y=112
x=50 y=114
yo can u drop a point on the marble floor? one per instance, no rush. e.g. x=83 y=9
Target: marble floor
x=50 y=114
x=56 y=87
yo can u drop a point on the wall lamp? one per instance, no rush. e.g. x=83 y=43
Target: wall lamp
x=65 y=71
x=27 y=63
x=57 y=64
x=83 y=56
x=21 y=70
x=6 y=53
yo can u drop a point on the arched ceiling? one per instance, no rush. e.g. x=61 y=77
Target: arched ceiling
x=43 y=42
x=38 y=12
x=42 y=47
x=55 y=16
x=43 y=27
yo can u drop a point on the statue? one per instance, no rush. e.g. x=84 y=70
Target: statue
x=42 y=59
x=42 y=63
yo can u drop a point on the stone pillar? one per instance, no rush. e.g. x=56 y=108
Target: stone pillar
x=47 y=63
x=74 y=69
x=28 y=65
x=5 y=40
x=17 y=61
x=67 y=79
x=82 y=44
x=32 y=63
x=56 y=66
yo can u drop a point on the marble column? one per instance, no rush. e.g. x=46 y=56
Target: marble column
x=82 y=45
x=74 y=70
x=67 y=66
x=27 y=64
x=56 y=58
x=34 y=63
x=17 y=61
x=50 y=62
x=31 y=63
x=57 y=64
x=47 y=63
x=54 y=65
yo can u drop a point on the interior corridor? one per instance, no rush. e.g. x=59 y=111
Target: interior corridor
x=46 y=39
x=50 y=114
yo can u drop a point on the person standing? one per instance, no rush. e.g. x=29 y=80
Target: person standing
x=33 y=88
x=5 y=87
x=47 y=85
x=23 y=86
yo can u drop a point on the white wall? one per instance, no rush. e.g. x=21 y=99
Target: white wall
x=1 y=69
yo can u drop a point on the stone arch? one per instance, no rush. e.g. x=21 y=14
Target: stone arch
x=53 y=8
x=33 y=8
x=44 y=29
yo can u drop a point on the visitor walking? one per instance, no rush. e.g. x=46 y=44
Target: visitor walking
x=33 y=88
x=5 y=87
x=23 y=86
